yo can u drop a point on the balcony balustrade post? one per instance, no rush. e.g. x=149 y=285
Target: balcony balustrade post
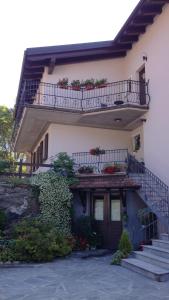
x=82 y=97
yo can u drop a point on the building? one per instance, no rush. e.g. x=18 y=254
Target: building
x=126 y=116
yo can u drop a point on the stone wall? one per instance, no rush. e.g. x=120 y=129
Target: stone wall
x=17 y=201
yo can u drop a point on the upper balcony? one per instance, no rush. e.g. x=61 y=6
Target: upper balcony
x=87 y=99
x=118 y=105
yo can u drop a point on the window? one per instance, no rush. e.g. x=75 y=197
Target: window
x=34 y=161
x=98 y=209
x=115 y=210
x=38 y=157
x=46 y=147
x=41 y=153
x=136 y=143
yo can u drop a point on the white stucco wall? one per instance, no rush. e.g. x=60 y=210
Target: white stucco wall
x=155 y=144
x=70 y=139
x=155 y=44
x=111 y=69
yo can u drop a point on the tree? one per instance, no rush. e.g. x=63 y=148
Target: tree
x=6 y=127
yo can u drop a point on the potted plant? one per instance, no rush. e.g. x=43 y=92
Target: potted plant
x=85 y=170
x=109 y=169
x=63 y=83
x=118 y=168
x=76 y=85
x=97 y=151
x=89 y=84
x=101 y=83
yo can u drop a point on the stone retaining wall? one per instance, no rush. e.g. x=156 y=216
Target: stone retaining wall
x=17 y=201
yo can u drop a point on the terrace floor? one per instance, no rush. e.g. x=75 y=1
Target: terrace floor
x=78 y=279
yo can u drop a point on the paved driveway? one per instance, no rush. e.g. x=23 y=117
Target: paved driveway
x=78 y=279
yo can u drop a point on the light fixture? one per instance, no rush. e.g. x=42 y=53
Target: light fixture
x=143 y=120
x=118 y=120
x=144 y=56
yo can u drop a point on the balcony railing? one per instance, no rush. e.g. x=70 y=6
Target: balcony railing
x=112 y=94
x=98 y=162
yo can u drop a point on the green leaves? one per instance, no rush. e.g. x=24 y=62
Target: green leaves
x=125 y=248
x=6 y=127
x=55 y=200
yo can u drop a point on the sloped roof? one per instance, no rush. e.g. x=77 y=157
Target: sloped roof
x=35 y=59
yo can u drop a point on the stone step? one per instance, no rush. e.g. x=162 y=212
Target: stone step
x=152 y=259
x=157 y=251
x=164 y=236
x=161 y=243
x=146 y=269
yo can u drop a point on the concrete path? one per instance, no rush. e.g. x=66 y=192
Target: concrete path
x=78 y=279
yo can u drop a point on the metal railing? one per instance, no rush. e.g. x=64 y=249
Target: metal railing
x=120 y=93
x=153 y=191
x=99 y=161
x=112 y=94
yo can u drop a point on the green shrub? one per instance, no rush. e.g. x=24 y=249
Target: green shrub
x=63 y=164
x=117 y=257
x=125 y=245
x=55 y=200
x=7 y=254
x=4 y=166
x=3 y=220
x=124 y=249
x=35 y=241
x=16 y=181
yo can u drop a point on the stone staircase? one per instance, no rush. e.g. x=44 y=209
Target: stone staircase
x=153 y=261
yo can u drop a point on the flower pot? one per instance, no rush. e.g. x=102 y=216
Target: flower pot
x=109 y=170
x=100 y=86
x=76 y=88
x=63 y=87
x=97 y=151
x=89 y=87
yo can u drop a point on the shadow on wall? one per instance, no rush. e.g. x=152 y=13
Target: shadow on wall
x=134 y=227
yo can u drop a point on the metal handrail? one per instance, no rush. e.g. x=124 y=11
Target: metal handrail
x=126 y=91
x=153 y=189
x=98 y=162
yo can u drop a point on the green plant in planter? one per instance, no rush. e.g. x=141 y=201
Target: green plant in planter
x=63 y=83
x=97 y=151
x=101 y=83
x=85 y=170
x=89 y=84
x=76 y=85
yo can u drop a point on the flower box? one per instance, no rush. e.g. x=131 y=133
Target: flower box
x=85 y=170
x=97 y=151
x=111 y=169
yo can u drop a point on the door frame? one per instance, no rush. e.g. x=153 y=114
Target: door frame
x=142 y=86
x=106 y=226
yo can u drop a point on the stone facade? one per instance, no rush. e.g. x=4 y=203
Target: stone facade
x=17 y=201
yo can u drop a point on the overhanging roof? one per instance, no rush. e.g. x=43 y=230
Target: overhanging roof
x=35 y=59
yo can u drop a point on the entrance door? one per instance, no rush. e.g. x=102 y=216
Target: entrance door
x=142 y=87
x=106 y=211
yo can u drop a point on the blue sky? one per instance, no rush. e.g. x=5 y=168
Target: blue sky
x=37 y=23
